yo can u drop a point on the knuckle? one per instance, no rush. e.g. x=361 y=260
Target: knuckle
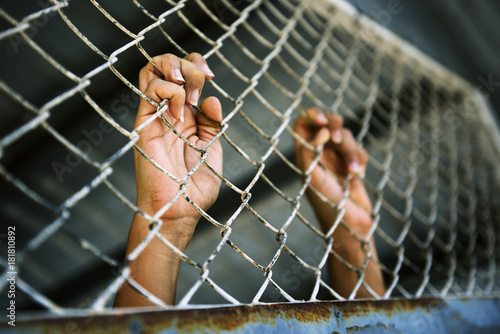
x=336 y=121
x=166 y=59
x=143 y=72
x=193 y=56
x=152 y=86
x=179 y=94
x=155 y=82
x=171 y=57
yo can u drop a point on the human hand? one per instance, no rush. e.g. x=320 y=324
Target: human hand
x=180 y=81
x=341 y=157
x=154 y=188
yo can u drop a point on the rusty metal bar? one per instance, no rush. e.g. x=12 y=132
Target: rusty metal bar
x=426 y=315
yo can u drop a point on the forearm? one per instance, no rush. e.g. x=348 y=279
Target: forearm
x=343 y=161
x=157 y=268
x=343 y=278
x=180 y=82
x=349 y=250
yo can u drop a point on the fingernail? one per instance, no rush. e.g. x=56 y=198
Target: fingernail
x=208 y=71
x=178 y=75
x=320 y=117
x=354 y=167
x=337 y=136
x=181 y=115
x=195 y=95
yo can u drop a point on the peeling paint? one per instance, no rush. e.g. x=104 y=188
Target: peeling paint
x=426 y=315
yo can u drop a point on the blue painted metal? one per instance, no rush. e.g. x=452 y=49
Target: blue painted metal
x=428 y=315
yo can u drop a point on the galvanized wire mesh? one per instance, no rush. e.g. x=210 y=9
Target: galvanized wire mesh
x=432 y=173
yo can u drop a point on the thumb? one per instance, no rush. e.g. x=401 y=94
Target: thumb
x=209 y=119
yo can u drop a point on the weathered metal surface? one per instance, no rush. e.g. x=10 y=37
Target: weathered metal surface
x=384 y=316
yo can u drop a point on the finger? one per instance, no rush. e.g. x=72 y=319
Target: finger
x=363 y=159
x=321 y=137
x=146 y=74
x=159 y=90
x=212 y=109
x=302 y=127
x=195 y=78
x=317 y=117
x=170 y=66
x=349 y=151
x=211 y=112
x=198 y=59
x=165 y=66
x=335 y=124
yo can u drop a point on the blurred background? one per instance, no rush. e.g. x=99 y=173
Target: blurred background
x=458 y=34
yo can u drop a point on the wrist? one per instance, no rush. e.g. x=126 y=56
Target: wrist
x=177 y=231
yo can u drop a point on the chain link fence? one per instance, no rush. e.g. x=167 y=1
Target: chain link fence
x=69 y=95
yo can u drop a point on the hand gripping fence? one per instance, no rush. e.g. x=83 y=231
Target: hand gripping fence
x=69 y=97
